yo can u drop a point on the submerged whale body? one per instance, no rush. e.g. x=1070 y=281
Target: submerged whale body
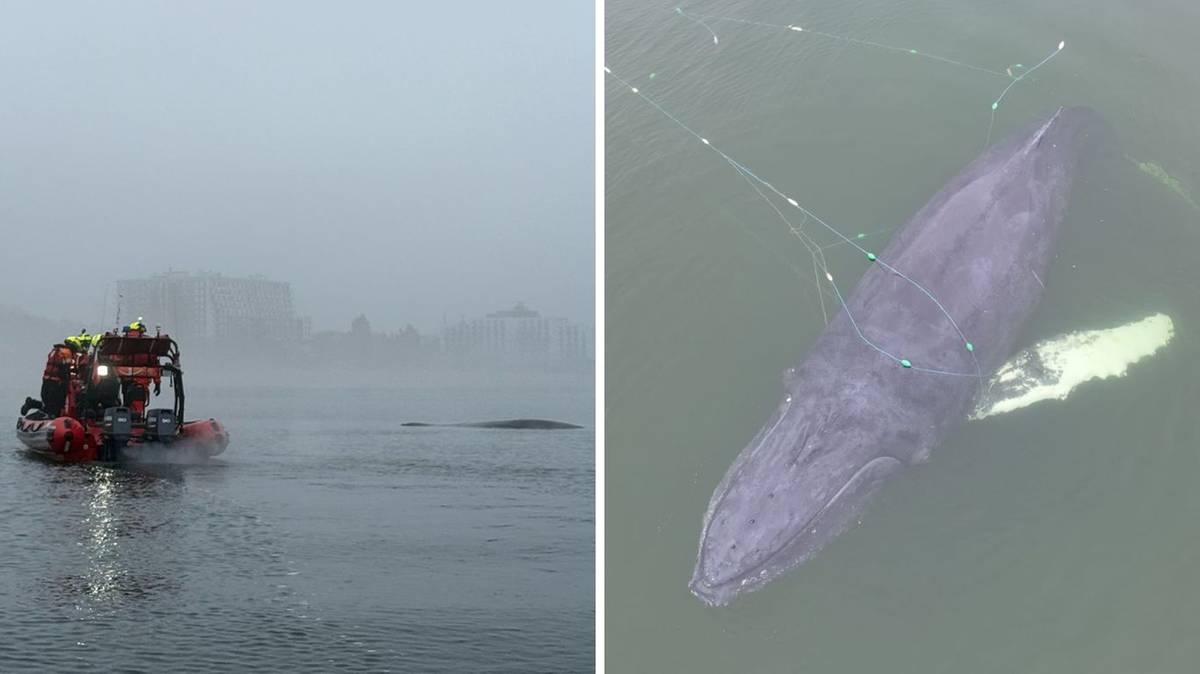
x=854 y=414
x=524 y=424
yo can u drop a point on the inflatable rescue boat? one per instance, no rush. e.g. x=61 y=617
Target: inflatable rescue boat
x=95 y=403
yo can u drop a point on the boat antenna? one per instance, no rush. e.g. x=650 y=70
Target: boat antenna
x=119 y=298
x=104 y=308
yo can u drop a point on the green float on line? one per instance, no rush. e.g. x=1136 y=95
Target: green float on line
x=904 y=363
x=871 y=257
x=970 y=346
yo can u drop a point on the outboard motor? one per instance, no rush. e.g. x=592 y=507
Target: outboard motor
x=116 y=428
x=161 y=425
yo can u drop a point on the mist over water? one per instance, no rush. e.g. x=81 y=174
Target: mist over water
x=417 y=164
x=409 y=162
x=1053 y=538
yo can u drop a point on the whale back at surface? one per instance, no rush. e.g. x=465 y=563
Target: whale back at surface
x=967 y=268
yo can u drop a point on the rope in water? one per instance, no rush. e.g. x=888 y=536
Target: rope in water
x=696 y=19
x=701 y=18
x=1018 y=78
x=844 y=38
x=816 y=250
x=750 y=176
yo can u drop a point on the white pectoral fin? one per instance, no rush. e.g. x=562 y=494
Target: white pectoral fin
x=1050 y=370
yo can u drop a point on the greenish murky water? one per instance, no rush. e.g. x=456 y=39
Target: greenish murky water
x=1063 y=537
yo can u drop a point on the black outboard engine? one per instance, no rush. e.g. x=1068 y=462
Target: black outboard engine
x=116 y=428
x=161 y=425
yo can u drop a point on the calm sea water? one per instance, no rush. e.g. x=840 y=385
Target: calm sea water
x=1060 y=538
x=326 y=538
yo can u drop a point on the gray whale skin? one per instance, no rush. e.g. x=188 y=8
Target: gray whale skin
x=851 y=417
x=518 y=424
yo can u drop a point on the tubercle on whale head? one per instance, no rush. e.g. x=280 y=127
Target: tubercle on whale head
x=792 y=489
x=713 y=595
x=803 y=539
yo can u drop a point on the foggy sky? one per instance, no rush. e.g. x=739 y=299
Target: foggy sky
x=399 y=159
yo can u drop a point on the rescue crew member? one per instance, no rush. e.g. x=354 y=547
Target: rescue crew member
x=136 y=328
x=56 y=378
x=81 y=342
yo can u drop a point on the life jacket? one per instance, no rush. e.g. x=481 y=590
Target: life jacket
x=58 y=363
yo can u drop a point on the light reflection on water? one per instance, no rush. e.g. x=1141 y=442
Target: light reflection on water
x=116 y=552
x=105 y=568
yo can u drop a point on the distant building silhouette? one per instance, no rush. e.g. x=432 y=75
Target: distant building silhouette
x=252 y=319
x=360 y=327
x=519 y=336
x=210 y=307
x=363 y=347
